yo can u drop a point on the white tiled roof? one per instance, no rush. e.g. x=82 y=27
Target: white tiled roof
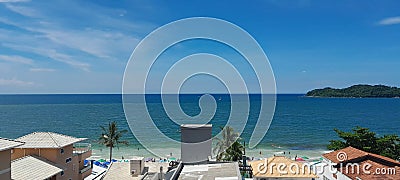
x=121 y=170
x=6 y=144
x=47 y=140
x=228 y=170
x=34 y=168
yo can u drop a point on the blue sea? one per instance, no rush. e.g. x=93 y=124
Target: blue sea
x=301 y=125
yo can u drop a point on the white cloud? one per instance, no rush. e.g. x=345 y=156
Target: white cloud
x=11 y=1
x=98 y=43
x=105 y=42
x=41 y=70
x=16 y=59
x=15 y=82
x=25 y=11
x=51 y=53
x=390 y=21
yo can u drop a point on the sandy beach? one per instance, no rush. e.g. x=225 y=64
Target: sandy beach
x=127 y=153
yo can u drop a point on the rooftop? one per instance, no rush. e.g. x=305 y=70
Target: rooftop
x=6 y=144
x=277 y=160
x=196 y=125
x=47 y=140
x=121 y=170
x=372 y=176
x=363 y=158
x=354 y=154
x=218 y=171
x=32 y=167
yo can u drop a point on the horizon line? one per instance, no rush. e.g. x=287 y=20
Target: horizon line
x=149 y=94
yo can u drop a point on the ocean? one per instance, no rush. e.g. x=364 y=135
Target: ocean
x=302 y=126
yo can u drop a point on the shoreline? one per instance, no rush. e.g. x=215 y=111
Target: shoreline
x=127 y=153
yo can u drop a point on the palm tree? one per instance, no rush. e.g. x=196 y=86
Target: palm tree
x=234 y=152
x=228 y=148
x=110 y=137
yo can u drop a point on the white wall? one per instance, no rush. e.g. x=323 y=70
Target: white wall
x=329 y=172
x=195 y=143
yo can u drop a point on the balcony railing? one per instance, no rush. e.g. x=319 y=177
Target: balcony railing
x=80 y=148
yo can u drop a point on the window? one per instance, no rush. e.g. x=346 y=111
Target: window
x=62 y=151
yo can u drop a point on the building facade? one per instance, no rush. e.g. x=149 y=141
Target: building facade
x=64 y=151
x=6 y=146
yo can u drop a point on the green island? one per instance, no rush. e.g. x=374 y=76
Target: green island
x=357 y=91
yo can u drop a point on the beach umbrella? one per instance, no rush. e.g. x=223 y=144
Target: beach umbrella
x=299 y=159
x=171 y=159
x=102 y=160
x=305 y=157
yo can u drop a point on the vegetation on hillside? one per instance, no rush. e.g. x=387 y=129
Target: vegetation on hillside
x=363 y=139
x=357 y=91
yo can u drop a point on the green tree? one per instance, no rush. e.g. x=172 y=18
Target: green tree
x=363 y=139
x=228 y=148
x=111 y=136
x=234 y=152
x=389 y=146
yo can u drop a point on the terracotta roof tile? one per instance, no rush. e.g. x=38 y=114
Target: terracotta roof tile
x=274 y=173
x=351 y=153
x=363 y=158
x=391 y=173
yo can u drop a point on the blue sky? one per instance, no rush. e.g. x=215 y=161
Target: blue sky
x=83 y=46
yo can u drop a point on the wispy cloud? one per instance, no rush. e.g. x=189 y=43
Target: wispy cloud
x=77 y=42
x=11 y=1
x=16 y=59
x=390 y=21
x=108 y=37
x=51 y=53
x=22 y=10
x=98 y=43
x=41 y=70
x=15 y=82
